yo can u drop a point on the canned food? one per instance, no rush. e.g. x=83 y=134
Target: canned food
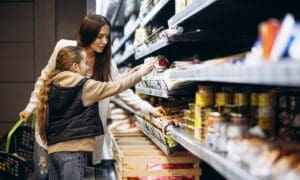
x=240 y=99
x=238 y=118
x=200 y=121
x=204 y=96
x=212 y=119
x=283 y=101
x=229 y=108
x=203 y=102
x=294 y=103
x=265 y=99
x=254 y=99
x=192 y=107
x=222 y=98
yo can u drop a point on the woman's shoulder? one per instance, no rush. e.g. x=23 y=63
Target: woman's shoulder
x=65 y=42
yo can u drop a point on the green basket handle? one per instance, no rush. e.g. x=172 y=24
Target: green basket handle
x=11 y=132
x=13 y=129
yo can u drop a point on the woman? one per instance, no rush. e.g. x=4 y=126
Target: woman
x=68 y=114
x=94 y=39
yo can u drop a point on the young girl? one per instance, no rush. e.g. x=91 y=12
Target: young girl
x=68 y=114
x=94 y=39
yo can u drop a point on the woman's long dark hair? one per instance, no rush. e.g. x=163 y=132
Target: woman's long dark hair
x=88 y=32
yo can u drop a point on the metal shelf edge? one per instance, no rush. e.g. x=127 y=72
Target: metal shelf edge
x=281 y=73
x=154 y=139
x=154 y=11
x=125 y=38
x=153 y=92
x=152 y=48
x=188 y=12
x=125 y=57
x=224 y=166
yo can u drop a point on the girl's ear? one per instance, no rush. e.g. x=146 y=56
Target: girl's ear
x=75 y=67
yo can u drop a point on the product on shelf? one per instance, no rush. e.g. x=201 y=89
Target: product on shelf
x=203 y=105
x=121 y=119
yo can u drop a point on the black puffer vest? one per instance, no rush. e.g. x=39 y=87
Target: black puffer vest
x=68 y=118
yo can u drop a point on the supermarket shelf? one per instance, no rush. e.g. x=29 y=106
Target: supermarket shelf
x=162 y=146
x=153 y=92
x=188 y=43
x=283 y=73
x=126 y=37
x=125 y=56
x=120 y=103
x=225 y=167
x=147 y=49
x=158 y=7
x=184 y=88
x=189 y=11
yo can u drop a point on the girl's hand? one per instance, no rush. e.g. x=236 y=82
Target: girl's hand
x=136 y=68
x=24 y=115
x=146 y=68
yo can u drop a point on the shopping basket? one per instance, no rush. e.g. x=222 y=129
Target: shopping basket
x=16 y=151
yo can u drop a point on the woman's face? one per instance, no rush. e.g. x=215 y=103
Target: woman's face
x=101 y=40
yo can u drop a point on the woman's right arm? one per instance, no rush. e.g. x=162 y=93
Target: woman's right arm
x=31 y=106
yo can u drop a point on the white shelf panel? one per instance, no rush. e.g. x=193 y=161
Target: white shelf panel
x=153 y=92
x=284 y=73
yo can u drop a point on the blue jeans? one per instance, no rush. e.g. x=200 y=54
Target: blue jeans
x=67 y=165
x=41 y=161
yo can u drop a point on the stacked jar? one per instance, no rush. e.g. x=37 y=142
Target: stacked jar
x=203 y=105
x=266 y=112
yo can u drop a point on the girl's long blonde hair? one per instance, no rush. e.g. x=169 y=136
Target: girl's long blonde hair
x=66 y=57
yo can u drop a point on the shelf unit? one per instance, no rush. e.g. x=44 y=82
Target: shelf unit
x=162 y=146
x=153 y=92
x=218 y=161
x=151 y=15
x=189 y=11
x=126 y=37
x=284 y=73
x=140 y=23
x=125 y=57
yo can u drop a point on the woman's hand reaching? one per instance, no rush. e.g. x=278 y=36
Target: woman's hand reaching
x=159 y=111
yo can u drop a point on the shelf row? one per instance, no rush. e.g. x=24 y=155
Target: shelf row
x=218 y=161
x=151 y=15
x=284 y=73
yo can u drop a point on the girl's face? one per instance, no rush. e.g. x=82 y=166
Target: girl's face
x=101 y=40
x=83 y=66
